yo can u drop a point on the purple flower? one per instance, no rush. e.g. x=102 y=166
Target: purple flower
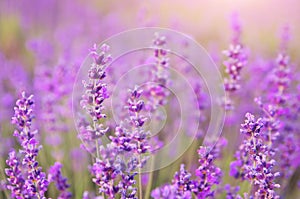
x=157 y=93
x=62 y=185
x=92 y=101
x=130 y=136
x=232 y=192
x=127 y=185
x=236 y=60
x=165 y=192
x=208 y=174
x=137 y=120
x=183 y=183
x=106 y=170
x=23 y=116
x=15 y=177
x=181 y=186
x=35 y=182
x=254 y=160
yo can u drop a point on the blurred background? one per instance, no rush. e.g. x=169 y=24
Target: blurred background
x=43 y=43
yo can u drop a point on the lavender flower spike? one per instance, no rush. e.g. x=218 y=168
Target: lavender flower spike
x=236 y=60
x=62 y=185
x=208 y=173
x=253 y=160
x=15 y=177
x=35 y=184
x=181 y=186
x=95 y=94
x=157 y=94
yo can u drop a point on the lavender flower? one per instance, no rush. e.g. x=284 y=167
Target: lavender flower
x=96 y=90
x=277 y=111
x=137 y=121
x=165 y=192
x=208 y=174
x=35 y=182
x=130 y=139
x=181 y=186
x=157 y=94
x=253 y=160
x=183 y=183
x=95 y=94
x=232 y=192
x=127 y=185
x=106 y=170
x=236 y=60
x=62 y=185
x=15 y=177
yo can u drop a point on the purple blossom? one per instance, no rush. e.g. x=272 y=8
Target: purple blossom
x=130 y=136
x=55 y=175
x=106 y=170
x=15 y=177
x=181 y=187
x=157 y=92
x=236 y=60
x=35 y=182
x=183 y=183
x=232 y=192
x=127 y=185
x=254 y=161
x=95 y=94
x=165 y=192
x=137 y=120
x=208 y=174
x=278 y=111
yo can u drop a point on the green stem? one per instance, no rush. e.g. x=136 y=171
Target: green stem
x=140 y=180
x=97 y=149
x=149 y=186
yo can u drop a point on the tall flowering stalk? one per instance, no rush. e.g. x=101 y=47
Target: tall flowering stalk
x=208 y=173
x=157 y=94
x=26 y=177
x=253 y=161
x=106 y=170
x=140 y=137
x=277 y=110
x=92 y=101
x=236 y=60
x=53 y=89
x=113 y=174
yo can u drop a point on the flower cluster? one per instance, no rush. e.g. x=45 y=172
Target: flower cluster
x=106 y=170
x=62 y=185
x=207 y=175
x=236 y=60
x=92 y=101
x=111 y=173
x=130 y=140
x=181 y=186
x=32 y=182
x=157 y=94
x=253 y=159
x=15 y=176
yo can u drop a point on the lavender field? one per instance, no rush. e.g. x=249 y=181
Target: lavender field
x=149 y=99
